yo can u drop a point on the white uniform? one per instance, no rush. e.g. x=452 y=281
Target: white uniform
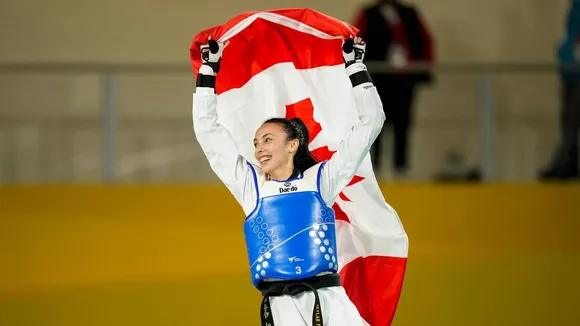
x=235 y=172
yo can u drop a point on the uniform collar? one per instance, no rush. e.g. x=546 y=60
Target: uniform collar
x=295 y=174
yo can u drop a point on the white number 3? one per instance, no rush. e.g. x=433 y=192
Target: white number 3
x=298 y=270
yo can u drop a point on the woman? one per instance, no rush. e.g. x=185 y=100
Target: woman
x=289 y=228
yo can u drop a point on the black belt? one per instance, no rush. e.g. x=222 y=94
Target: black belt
x=279 y=288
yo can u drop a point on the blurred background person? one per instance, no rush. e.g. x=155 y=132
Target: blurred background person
x=564 y=164
x=396 y=34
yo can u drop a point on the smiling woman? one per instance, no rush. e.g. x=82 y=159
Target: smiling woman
x=282 y=148
x=290 y=225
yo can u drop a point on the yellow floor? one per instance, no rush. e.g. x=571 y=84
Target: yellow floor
x=491 y=255
x=519 y=290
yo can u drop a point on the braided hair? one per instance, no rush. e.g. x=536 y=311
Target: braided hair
x=296 y=129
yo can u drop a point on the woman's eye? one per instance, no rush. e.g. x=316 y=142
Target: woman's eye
x=268 y=140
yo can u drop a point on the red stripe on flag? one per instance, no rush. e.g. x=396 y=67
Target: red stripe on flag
x=374 y=285
x=248 y=53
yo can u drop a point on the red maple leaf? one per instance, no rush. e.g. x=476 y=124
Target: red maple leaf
x=322 y=153
x=305 y=111
x=356 y=179
x=339 y=214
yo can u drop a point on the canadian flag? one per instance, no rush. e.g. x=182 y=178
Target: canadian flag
x=288 y=63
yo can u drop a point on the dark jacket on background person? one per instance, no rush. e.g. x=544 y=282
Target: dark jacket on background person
x=379 y=35
x=396 y=34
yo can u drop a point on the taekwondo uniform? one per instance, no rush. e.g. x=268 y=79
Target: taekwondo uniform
x=290 y=225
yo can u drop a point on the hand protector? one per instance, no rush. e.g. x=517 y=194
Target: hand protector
x=353 y=52
x=211 y=54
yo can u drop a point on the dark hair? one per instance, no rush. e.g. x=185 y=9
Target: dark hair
x=296 y=129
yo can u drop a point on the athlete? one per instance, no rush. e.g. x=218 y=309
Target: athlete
x=287 y=198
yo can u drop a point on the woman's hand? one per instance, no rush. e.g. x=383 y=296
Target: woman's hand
x=353 y=50
x=211 y=54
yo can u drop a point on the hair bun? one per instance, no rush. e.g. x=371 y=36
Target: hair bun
x=300 y=128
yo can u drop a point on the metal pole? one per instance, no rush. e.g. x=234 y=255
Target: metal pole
x=109 y=140
x=485 y=103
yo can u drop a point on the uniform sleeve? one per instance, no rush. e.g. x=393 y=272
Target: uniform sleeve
x=341 y=168
x=220 y=149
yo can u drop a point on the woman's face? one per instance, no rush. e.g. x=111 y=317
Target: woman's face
x=272 y=149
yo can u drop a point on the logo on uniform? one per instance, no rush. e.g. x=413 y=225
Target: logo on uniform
x=294 y=259
x=288 y=187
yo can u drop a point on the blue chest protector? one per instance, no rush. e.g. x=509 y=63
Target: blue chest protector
x=291 y=234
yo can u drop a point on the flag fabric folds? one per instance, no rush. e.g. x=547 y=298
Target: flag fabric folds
x=288 y=63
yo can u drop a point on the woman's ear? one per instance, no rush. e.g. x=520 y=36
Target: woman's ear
x=293 y=145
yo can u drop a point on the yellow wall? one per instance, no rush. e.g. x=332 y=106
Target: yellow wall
x=170 y=255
